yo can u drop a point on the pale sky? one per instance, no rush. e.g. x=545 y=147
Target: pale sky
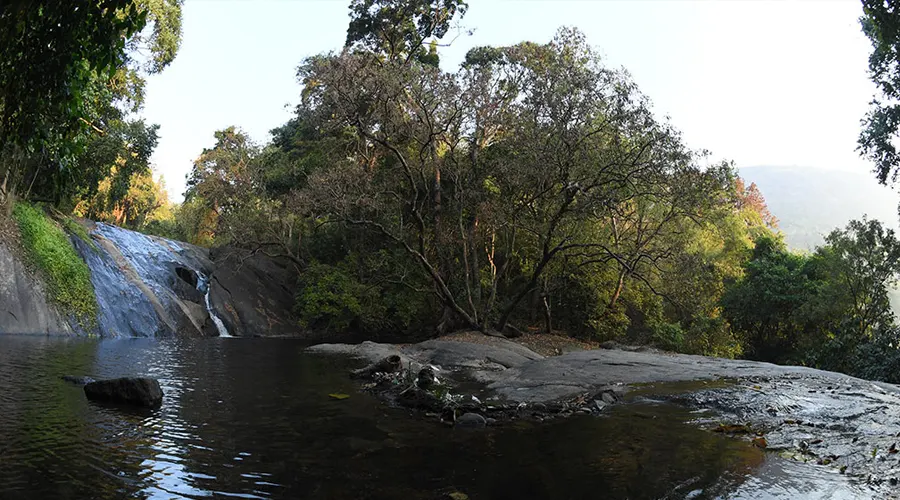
x=757 y=82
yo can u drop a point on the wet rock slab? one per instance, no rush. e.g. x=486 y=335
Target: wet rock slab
x=843 y=423
x=847 y=424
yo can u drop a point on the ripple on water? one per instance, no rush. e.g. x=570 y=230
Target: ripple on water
x=780 y=479
x=252 y=419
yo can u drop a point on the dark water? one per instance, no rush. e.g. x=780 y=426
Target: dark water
x=251 y=418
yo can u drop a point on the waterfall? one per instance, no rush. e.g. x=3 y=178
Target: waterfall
x=202 y=283
x=148 y=286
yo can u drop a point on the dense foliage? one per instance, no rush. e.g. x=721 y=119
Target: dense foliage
x=71 y=82
x=881 y=25
x=829 y=309
x=531 y=188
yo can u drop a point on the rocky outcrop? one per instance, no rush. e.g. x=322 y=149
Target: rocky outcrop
x=483 y=360
x=142 y=391
x=24 y=307
x=161 y=275
x=153 y=287
x=813 y=416
x=253 y=294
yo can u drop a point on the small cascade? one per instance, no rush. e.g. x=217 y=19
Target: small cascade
x=148 y=286
x=116 y=293
x=203 y=283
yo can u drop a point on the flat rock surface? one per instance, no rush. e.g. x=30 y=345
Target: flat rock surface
x=491 y=355
x=848 y=424
x=517 y=373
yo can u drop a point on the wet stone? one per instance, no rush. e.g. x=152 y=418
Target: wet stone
x=470 y=421
x=136 y=391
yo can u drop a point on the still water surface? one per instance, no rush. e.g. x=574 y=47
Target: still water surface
x=251 y=418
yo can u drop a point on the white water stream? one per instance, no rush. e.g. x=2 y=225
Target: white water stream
x=220 y=326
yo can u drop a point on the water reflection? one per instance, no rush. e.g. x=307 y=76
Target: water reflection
x=250 y=418
x=777 y=479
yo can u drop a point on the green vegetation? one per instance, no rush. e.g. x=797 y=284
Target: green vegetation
x=72 y=77
x=78 y=230
x=66 y=275
x=531 y=188
x=877 y=141
x=829 y=309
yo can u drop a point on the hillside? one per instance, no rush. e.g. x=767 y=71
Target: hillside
x=810 y=202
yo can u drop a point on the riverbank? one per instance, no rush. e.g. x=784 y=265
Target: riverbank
x=846 y=424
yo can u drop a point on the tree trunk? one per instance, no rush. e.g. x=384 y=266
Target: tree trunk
x=548 y=318
x=447 y=323
x=618 y=291
x=504 y=318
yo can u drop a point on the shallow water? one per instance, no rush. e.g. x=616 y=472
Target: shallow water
x=251 y=418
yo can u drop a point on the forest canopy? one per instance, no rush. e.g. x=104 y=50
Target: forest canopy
x=531 y=189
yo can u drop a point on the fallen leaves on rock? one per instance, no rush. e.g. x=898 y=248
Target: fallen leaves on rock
x=338 y=395
x=545 y=344
x=732 y=429
x=760 y=442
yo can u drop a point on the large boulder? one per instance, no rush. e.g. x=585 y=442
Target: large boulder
x=24 y=307
x=137 y=391
x=253 y=294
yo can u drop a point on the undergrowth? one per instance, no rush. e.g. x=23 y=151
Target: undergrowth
x=49 y=249
x=78 y=230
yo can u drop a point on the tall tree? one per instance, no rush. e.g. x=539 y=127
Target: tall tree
x=69 y=79
x=862 y=264
x=881 y=24
x=766 y=304
x=402 y=29
x=487 y=176
x=222 y=175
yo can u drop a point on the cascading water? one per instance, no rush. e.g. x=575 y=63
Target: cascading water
x=117 y=294
x=220 y=326
x=148 y=286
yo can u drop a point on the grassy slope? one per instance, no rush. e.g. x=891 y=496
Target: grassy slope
x=67 y=276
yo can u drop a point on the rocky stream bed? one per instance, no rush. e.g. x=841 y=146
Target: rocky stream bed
x=845 y=424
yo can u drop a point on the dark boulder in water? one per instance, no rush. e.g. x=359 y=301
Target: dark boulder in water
x=137 y=391
x=470 y=421
x=426 y=378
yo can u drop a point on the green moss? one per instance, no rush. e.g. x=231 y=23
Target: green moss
x=78 y=230
x=68 y=277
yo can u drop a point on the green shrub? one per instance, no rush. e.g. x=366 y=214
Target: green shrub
x=68 y=277
x=334 y=298
x=668 y=336
x=78 y=230
x=328 y=299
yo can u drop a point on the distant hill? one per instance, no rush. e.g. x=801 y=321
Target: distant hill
x=810 y=202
